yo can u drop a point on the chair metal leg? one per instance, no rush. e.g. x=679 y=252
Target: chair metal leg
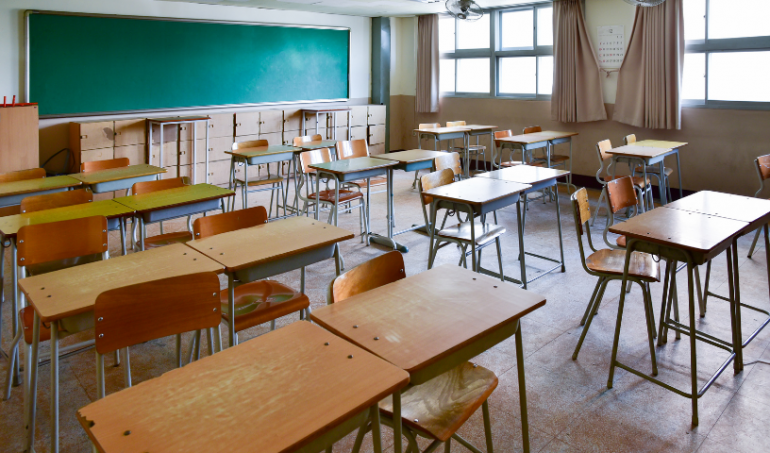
x=754 y=242
x=650 y=321
x=179 y=351
x=487 y=426
x=12 y=357
x=591 y=301
x=126 y=367
x=595 y=308
x=599 y=205
x=499 y=258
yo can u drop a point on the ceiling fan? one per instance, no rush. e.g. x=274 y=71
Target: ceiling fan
x=645 y=2
x=464 y=9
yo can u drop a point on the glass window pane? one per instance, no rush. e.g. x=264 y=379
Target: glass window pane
x=545 y=75
x=694 y=76
x=739 y=76
x=517 y=29
x=738 y=19
x=545 y=26
x=518 y=75
x=694 y=19
x=473 y=75
x=473 y=34
x=446 y=75
x=446 y=34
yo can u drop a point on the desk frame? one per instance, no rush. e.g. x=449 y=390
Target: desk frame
x=648 y=161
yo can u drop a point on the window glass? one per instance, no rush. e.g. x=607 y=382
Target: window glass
x=694 y=20
x=739 y=76
x=517 y=29
x=446 y=34
x=738 y=19
x=694 y=76
x=545 y=75
x=518 y=75
x=446 y=75
x=473 y=75
x=473 y=34
x=545 y=26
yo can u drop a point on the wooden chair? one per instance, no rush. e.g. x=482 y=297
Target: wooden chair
x=557 y=160
x=326 y=197
x=86 y=167
x=56 y=200
x=298 y=141
x=642 y=187
x=139 y=313
x=763 y=172
x=621 y=194
x=652 y=170
x=436 y=144
x=511 y=162
x=163 y=238
x=270 y=183
x=47 y=247
x=482 y=234
x=607 y=265
x=351 y=150
x=453 y=396
x=450 y=161
x=22 y=175
x=473 y=150
x=259 y=301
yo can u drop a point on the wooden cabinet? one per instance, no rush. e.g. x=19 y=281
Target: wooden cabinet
x=376 y=149
x=216 y=150
x=170 y=151
x=358 y=115
x=130 y=132
x=92 y=155
x=246 y=123
x=358 y=133
x=270 y=121
x=292 y=120
x=377 y=134
x=91 y=136
x=137 y=154
x=376 y=114
x=19 y=138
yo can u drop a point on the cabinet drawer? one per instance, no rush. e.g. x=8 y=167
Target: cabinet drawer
x=377 y=114
x=130 y=132
x=376 y=134
x=94 y=135
x=136 y=153
x=96 y=154
x=358 y=133
x=170 y=150
x=377 y=149
x=270 y=121
x=358 y=115
x=246 y=123
x=291 y=120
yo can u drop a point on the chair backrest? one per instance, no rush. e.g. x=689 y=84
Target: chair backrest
x=61 y=240
x=450 y=161
x=621 y=194
x=582 y=209
x=307 y=138
x=159 y=184
x=353 y=148
x=374 y=273
x=56 y=200
x=433 y=180
x=96 y=165
x=147 y=311
x=532 y=129
x=204 y=227
x=455 y=123
x=763 y=166
x=429 y=126
x=601 y=148
x=316 y=156
x=629 y=139
x=249 y=144
x=22 y=175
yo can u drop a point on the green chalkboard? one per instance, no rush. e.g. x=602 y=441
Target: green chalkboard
x=98 y=64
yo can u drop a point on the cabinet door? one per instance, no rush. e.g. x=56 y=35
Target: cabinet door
x=342 y=133
x=170 y=133
x=342 y=119
x=170 y=150
x=216 y=150
x=376 y=135
x=292 y=120
x=219 y=173
x=246 y=123
x=130 y=132
x=377 y=114
x=220 y=125
x=358 y=115
x=92 y=155
x=274 y=138
x=377 y=149
x=135 y=153
x=270 y=121
x=96 y=135
x=358 y=133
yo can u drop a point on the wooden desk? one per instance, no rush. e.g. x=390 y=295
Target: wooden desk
x=11 y=193
x=122 y=178
x=355 y=169
x=309 y=146
x=177 y=120
x=453 y=133
x=263 y=155
x=266 y=250
x=318 y=112
x=316 y=395
x=537 y=140
x=478 y=197
x=73 y=292
x=694 y=238
x=540 y=179
x=453 y=315
x=649 y=152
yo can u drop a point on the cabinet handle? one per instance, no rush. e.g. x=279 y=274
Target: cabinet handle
x=83 y=137
x=211 y=126
x=238 y=124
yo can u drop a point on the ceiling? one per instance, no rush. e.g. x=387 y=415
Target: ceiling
x=369 y=8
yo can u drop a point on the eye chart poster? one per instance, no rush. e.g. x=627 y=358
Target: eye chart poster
x=612 y=47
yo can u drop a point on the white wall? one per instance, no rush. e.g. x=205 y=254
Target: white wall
x=403 y=56
x=608 y=12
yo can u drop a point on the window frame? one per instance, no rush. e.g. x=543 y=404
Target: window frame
x=495 y=52
x=708 y=46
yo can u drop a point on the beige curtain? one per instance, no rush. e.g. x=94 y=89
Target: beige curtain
x=577 y=85
x=427 y=63
x=649 y=81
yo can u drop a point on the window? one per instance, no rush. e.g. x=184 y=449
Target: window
x=727 y=53
x=507 y=53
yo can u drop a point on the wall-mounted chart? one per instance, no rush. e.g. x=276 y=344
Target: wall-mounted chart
x=612 y=47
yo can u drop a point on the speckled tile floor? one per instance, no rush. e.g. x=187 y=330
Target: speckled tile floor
x=570 y=407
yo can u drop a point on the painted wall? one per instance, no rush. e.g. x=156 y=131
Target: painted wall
x=608 y=12
x=403 y=61
x=53 y=132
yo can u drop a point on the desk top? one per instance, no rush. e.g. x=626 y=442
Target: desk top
x=661 y=144
x=71 y=291
x=179 y=119
x=263 y=150
x=536 y=137
x=525 y=174
x=247 y=247
x=686 y=230
x=37 y=185
x=117 y=174
x=636 y=150
x=412 y=155
x=477 y=191
x=726 y=205
x=426 y=317
x=10 y=225
x=480 y=127
x=275 y=393
x=309 y=146
x=444 y=130
x=354 y=165
x=177 y=196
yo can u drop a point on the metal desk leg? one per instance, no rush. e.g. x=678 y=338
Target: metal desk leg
x=397 y=422
x=522 y=389
x=558 y=225
x=245 y=193
x=374 y=414
x=54 y=417
x=522 y=255
x=231 y=307
x=737 y=302
x=122 y=221
x=31 y=396
x=15 y=303
x=317 y=195
x=693 y=339
x=679 y=174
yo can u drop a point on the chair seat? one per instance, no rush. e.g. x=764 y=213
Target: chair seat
x=608 y=261
x=261 y=182
x=179 y=237
x=442 y=405
x=653 y=169
x=345 y=195
x=485 y=232
x=372 y=182
x=262 y=301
